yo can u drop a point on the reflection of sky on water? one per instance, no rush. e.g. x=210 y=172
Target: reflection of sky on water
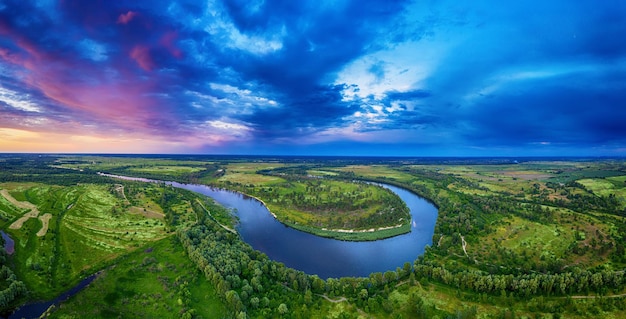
x=323 y=256
x=9 y=244
x=328 y=257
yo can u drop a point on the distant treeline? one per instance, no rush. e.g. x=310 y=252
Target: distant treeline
x=41 y=170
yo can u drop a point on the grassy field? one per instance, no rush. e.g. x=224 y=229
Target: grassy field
x=162 y=169
x=609 y=186
x=325 y=207
x=338 y=209
x=153 y=281
x=564 y=236
x=89 y=225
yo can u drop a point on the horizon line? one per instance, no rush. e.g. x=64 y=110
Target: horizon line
x=319 y=155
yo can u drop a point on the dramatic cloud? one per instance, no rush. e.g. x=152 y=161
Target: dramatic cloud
x=320 y=77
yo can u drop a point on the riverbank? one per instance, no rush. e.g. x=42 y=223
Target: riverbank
x=371 y=234
x=355 y=235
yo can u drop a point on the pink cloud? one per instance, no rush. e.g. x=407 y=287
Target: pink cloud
x=124 y=18
x=141 y=55
x=10 y=57
x=167 y=41
x=94 y=101
x=121 y=102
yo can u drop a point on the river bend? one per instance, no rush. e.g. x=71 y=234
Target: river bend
x=321 y=256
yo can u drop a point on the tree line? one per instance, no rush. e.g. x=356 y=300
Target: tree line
x=11 y=289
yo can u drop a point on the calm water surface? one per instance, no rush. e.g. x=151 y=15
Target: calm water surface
x=9 y=244
x=323 y=256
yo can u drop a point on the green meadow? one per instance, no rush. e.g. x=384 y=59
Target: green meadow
x=90 y=226
x=524 y=240
x=155 y=281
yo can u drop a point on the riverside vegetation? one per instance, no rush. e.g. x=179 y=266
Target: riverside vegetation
x=535 y=239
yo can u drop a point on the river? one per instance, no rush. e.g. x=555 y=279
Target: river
x=312 y=254
x=321 y=256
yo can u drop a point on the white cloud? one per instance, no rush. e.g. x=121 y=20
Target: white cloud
x=404 y=67
x=226 y=126
x=239 y=97
x=18 y=101
x=229 y=89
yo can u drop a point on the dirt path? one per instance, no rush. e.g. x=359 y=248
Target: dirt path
x=208 y=212
x=464 y=244
x=33 y=213
x=594 y=297
x=120 y=189
x=20 y=222
x=25 y=205
x=341 y=299
x=45 y=220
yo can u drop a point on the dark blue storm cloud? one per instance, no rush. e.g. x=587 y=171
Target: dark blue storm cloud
x=318 y=77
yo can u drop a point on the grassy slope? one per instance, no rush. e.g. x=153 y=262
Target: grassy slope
x=83 y=233
x=91 y=225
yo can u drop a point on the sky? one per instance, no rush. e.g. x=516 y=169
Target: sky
x=375 y=78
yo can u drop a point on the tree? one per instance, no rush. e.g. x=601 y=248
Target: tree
x=282 y=309
x=363 y=294
x=254 y=302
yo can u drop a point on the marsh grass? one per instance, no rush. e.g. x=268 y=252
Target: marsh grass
x=155 y=281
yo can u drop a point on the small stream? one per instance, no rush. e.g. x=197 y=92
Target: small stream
x=9 y=243
x=36 y=309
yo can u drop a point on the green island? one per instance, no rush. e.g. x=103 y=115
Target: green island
x=326 y=204
x=514 y=238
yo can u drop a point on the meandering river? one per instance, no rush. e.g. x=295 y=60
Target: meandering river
x=323 y=256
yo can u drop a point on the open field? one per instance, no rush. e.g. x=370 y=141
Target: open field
x=83 y=227
x=524 y=240
x=338 y=209
x=154 y=280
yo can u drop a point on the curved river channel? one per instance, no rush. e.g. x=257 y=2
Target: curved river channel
x=318 y=255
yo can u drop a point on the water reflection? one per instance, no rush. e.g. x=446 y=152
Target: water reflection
x=325 y=257
x=9 y=244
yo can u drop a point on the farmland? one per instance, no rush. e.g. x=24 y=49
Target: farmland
x=534 y=238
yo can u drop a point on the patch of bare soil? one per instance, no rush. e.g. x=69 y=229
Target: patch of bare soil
x=16 y=202
x=45 y=220
x=20 y=222
x=33 y=213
